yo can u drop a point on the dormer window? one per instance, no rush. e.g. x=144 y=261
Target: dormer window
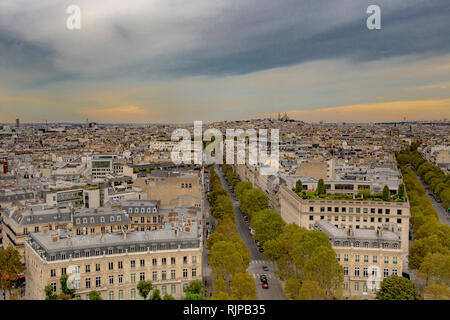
x=84 y=220
x=111 y=219
x=78 y=221
x=92 y=220
x=136 y=210
x=130 y=210
x=118 y=218
x=102 y=219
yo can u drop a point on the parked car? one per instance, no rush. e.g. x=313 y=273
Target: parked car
x=261 y=250
x=265 y=285
x=265 y=268
x=263 y=278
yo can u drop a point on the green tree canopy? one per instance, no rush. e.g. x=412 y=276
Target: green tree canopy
x=292 y=288
x=243 y=286
x=268 y=225
x=144 y=288
x=94 y=295
x=386 y=193
x=397 y=288
x=311 y=290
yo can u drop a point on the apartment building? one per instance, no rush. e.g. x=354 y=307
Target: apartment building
x=358 y=214
x=19 y=222
x=367 y=256
x=87 y=196
x=114 y=263
x=173 y=188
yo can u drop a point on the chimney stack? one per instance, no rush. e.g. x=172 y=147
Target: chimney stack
x=146 y=234
x=176 y=232
x=102 y=239
x=69 y=240
x=124 y=233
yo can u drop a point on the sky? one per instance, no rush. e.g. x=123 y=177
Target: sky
x=160 y=61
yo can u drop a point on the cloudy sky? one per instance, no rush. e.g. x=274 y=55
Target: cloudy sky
x=180 y=61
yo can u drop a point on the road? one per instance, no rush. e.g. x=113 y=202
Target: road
x=442 y=212
x=275 y=291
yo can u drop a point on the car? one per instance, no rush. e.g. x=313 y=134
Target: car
x=263 y=278
x=265 y=268
x=261 y=250
x=265 y=285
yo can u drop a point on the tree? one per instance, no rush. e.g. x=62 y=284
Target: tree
x=49 y=295
x=156 y=295
x=268 y=225
x=324 y=268
x=226 y=259
x=144 y=288
x=168 y=297
x=397 y=288
x=298 y=186
x=227 y=227
x=243 y=286
x=436 y=292
x=223 y=206
x=311 y=290
x=10 y=268
x=307 y=244
x=292 y=288
x=94 y=295
x=241 y=187
x=421 y=248
x=436 y=268
x=253 y=200
x=401 y=191
x=215 y=237
x=386 y=193
x=321 y=188
x=64 y=288
x=194 y=291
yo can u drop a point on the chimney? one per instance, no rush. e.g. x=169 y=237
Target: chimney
x=379 y=232
x=55 y=238
x=124 y=233
x=69 y=240
x=350 y=230
x=102 y=239
x=146 y=234
x=176 y=232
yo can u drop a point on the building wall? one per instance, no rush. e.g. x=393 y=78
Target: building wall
x=38 y=272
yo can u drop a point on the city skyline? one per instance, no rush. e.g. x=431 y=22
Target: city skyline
x=167 y=62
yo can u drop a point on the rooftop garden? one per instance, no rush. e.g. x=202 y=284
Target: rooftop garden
x=362 y=195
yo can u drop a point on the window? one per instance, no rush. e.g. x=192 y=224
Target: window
x=133 y=293
x=356 y=287
x=142 y=276
x=194 y=259
x=155 y=275
x=185 y=260
x=345 y=271
x=322 y=209
x=311 y=218
x=97 y=267
x=173 y=289
x=311 y=209
x=388 y=211
x=133 y=263
x=336 y=209
x=97 y=252
x=394 y=260
x=386 y=273
x=52 y=273
x=357 y=272
x=120 y=265
x=142 y=262
x=120 y=278
x=163 y=261
x=364 y=287
x=357 y=258
x=386 y=259
x=374 y=259
x=338 y=257
x=111 y=279
x=399 y=221
x=358 y=210
x=365 y=273
x=98 y=282
x=365 y=244
x=395 y=246
x=399 y=211
x=194 y=273
x=372 y=210
x=120 y=294
x=88 y=283
x=163 y=290
x=154 y=262
x=53 y=284
x=346 y=257
x=185 y=273
x=172 y=260
x=133 y=278
x=172 y=274
x=394 y=272
x=163 y=275
x=111 y=295
x=366 y=258
x=110 y=266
